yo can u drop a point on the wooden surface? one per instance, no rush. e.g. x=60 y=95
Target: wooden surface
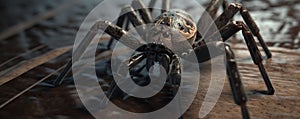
x=283 y=69
x=284 y=72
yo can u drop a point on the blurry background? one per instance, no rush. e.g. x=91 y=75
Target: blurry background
x=32 y=28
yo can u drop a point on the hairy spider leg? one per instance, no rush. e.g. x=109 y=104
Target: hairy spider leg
x=236 y=85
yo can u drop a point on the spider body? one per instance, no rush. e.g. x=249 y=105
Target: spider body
x=179 y=20
x=172 y=22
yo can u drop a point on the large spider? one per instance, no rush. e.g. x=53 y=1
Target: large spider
x=183 y=23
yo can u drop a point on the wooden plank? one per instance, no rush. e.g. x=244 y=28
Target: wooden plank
x=25 y=66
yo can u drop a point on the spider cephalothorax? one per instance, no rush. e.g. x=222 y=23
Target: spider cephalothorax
x=178 y=20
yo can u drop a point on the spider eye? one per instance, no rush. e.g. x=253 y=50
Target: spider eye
x=180 y=26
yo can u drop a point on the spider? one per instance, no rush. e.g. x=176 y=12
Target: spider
x=185 y=25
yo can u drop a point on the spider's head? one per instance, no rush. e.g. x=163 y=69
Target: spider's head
x=181 y=21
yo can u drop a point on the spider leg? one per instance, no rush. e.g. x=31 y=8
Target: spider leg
x=117 y=33
x=231 y=29
x=83 y=45
x=205 y=21
x=62 y=75
x=131 y=15
x=136 y=59
x=166 y=5
x=202 y=51
x=113 y=30
x=145 y=12
x=224 y=4
x=213 y=7
x=228 y=14
x=175 y=73
x=114 y=90
x=174 y=79
x=151 y=5
x=120 y=22
x=237 y=88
